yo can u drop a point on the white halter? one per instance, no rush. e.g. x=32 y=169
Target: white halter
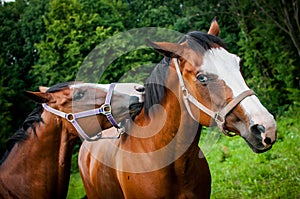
x=220 y=116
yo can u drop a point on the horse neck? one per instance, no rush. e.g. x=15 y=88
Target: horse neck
x=42 y=162
x=187 y=130
x=169 y=120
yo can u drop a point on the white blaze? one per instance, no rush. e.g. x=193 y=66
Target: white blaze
x=220 y=62
x=225 y=65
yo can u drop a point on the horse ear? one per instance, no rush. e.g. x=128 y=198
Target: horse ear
x=39 y=97
x=43 y=89
x=214 y=28
x=167 y=49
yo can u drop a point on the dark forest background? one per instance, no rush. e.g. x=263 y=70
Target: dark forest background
x=44 y=42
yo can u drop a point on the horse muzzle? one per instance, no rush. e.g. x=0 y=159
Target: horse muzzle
x=135 y=106
x=261 y=137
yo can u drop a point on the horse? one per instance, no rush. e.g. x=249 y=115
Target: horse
x=198 y=83
x=38 y=157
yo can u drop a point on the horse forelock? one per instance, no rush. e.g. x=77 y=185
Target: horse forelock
x=22 y=133
x=201 y=42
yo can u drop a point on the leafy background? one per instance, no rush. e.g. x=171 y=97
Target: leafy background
x=44 y=42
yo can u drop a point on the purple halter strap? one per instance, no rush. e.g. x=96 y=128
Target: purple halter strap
x=105 y=109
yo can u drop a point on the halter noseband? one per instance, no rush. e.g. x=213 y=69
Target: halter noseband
x=105 y=109
x=219 y=117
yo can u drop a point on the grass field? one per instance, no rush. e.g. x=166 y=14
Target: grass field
x=237 y=172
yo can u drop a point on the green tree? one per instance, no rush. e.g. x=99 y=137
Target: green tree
x=269 y=64
x=284 y=15
x=21 y=26
x=11 y=68
x=71 y=33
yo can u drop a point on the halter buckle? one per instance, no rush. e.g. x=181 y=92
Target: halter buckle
x=219 y=119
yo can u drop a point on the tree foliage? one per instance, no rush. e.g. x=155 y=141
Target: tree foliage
x=70 y=34
x=44 y=42
x=14 y=64
x=270 y=64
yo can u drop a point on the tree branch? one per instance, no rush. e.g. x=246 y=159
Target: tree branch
x=271 y=18
x=296 y=14
x=289 y=25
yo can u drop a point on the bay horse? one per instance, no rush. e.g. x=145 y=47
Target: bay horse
x=38 y=157
x=197 y=84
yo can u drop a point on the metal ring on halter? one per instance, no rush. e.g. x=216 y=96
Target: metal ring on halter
x=70 y=117
x=106 y=105
x=185 y=92
x=105 y=109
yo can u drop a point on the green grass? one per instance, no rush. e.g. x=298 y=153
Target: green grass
x=76 y=189
x=237 y=172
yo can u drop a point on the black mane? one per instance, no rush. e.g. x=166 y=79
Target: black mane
x=22 y=134
x=155 y=83
x=33 y=118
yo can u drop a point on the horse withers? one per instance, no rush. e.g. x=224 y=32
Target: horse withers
x=197 y=84
x=38 y=157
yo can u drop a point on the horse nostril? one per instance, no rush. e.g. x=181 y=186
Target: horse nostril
x=261 y=128
x=268 y=140
x=255 y=130
x=258 y=129
x=133 y=100
x=140 y=89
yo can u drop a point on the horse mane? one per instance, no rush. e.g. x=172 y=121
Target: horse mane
x=34 y=117
x=22 y=133
x=155 y=83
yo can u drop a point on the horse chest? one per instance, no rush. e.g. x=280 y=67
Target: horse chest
x=165 y=183
x=147 y=185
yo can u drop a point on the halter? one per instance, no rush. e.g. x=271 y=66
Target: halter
x=219 y=117
x=105 y=109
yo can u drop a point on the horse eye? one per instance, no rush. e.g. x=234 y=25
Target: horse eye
x=78 y=95
x=202 y=78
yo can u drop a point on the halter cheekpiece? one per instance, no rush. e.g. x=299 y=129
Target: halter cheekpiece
x=220 y=116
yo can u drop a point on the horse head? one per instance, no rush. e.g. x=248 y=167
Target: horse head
x=214 y=91
x=80 y=104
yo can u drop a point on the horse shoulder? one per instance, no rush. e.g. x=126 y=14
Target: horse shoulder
x=96 y=169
